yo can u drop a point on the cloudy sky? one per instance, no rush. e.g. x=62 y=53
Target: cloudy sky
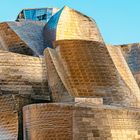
x=118 y=20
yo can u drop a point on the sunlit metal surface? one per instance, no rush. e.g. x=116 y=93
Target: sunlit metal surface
x=89 y=71
x=70 y=24
x=47 y=121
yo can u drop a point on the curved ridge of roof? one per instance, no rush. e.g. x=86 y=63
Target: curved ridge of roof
x=70 y=24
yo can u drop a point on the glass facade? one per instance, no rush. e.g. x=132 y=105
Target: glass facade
x=43 y=14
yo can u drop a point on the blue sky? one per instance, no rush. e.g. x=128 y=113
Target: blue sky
x=118 y=20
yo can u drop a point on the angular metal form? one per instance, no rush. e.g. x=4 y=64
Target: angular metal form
x=22 y=37
x=30 y=32
x=55 y=77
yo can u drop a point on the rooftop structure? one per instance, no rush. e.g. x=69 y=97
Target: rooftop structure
x=37 y=14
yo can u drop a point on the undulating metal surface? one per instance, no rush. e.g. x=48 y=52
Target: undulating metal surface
x=91 y=71
x=47 y=122
x=55 y=77
x=70 y=24
x=8 y=118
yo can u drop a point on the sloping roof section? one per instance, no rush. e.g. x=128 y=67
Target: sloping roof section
x=31 y=32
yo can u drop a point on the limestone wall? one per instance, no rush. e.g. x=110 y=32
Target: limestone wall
x=8 y=118
x=106 y=123
x=20 y=74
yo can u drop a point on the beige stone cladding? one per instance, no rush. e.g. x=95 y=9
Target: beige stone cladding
x=8 y=118
x=105 y=123
x=24 y=75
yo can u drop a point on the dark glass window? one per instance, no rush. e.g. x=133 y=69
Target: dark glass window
x=38 y=14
